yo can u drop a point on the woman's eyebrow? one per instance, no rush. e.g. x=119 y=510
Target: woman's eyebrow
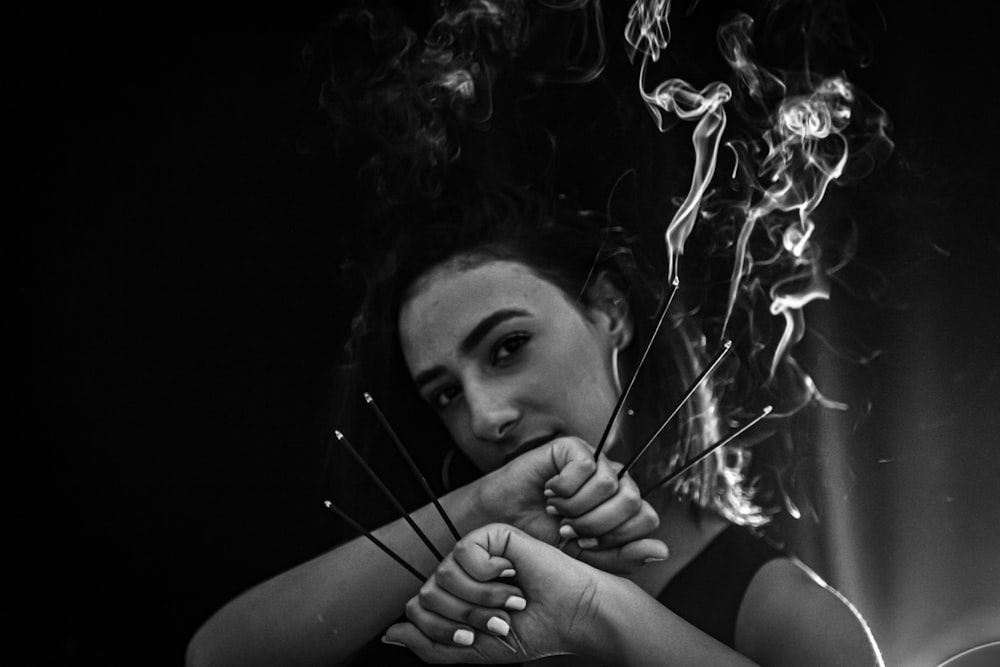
x=471 y=340
x=481 y=330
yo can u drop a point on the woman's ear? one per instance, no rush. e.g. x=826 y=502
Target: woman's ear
x=607 y=306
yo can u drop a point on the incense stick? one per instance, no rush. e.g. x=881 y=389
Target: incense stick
x=703 y=455
x=361 y=529
x=635 y=373
x=388 y=494
x=413 y=466
x=728 y=345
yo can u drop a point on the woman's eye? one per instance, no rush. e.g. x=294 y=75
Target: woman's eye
x=443 y=398
x=508 y=346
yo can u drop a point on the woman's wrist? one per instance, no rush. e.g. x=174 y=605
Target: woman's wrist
x=469 y=507
x=631 y=628
x=595 y=633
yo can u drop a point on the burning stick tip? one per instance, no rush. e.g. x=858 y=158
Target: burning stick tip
x=327 y=504
x=340 y=436
x=676 y=281
x=728 y=344
x=767 y=410
x=368 y=398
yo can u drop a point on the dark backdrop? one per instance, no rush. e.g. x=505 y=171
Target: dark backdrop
x=179 y=277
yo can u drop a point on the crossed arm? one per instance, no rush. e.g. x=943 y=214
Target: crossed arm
x=323 y=611
x=787 y=618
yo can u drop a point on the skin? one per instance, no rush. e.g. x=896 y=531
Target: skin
x=309 y=615
x=520 y=384
x=524 y=402
x=503 y=369
x=543 y=370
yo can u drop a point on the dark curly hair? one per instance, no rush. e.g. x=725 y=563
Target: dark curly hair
x=566 y=246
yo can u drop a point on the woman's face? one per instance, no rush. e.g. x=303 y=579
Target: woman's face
x=507 y=360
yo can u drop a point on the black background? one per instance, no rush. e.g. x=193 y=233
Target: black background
x=179 y=276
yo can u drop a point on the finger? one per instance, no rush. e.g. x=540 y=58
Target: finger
x=409 y=636
x=575 y=461
x=625 y=509
x=481 y=560
x=636 y=527
x=627 y=558
x=600 y=486
x=453 y=578
x=437 y=601
x=438 y=628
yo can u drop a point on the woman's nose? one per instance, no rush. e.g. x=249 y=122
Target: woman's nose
x=493 y=412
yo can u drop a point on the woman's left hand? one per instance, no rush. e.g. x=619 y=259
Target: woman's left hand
x=472 y=609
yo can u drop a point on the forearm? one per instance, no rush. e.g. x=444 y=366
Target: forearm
x=324 y=610
x=634 y=629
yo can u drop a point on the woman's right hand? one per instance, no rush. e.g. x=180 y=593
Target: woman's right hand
x=464 y=612
x=558 y=493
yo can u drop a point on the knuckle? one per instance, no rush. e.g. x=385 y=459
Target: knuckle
x=606 y=482
x=633 y=504
x=497 y=597
x=446 y=577
x=426 y=596
x=411 y=608
x=651 y=516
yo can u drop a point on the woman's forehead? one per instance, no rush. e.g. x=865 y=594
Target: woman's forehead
x=452 y=298
x=465 y=289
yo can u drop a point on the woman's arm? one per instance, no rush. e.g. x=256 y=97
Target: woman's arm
x=325 y=610
x=789 y=616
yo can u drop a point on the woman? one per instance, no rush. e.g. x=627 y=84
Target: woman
x=517 y=326
x=517 y=319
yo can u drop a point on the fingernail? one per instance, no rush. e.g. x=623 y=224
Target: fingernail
x=509 y=572
x=498 y=626
x=549 y=493
x=463 y=637
x=567 y=532
x=587 y=542
x=550 y=509
x=654 y=559
x=389 y=641
x=515 y=603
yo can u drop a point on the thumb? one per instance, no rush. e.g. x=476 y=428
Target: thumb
x=491 y=551
x=574 y=464
x=627 y=558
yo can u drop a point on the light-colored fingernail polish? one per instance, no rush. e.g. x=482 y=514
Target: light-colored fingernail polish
x=549 y=493
x=509 y=572
x=587 y=542
x=654 y=559
x=392 y=643
x=515 y=603
x=567 y=532
x=463 y=637
x=551 y=510
x=498 y=626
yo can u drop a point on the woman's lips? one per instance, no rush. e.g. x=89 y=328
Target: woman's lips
x=528 y=445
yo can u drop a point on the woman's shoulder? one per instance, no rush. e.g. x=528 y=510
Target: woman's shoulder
x=789 y=615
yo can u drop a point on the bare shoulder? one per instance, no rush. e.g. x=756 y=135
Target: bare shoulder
x=789 y=616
